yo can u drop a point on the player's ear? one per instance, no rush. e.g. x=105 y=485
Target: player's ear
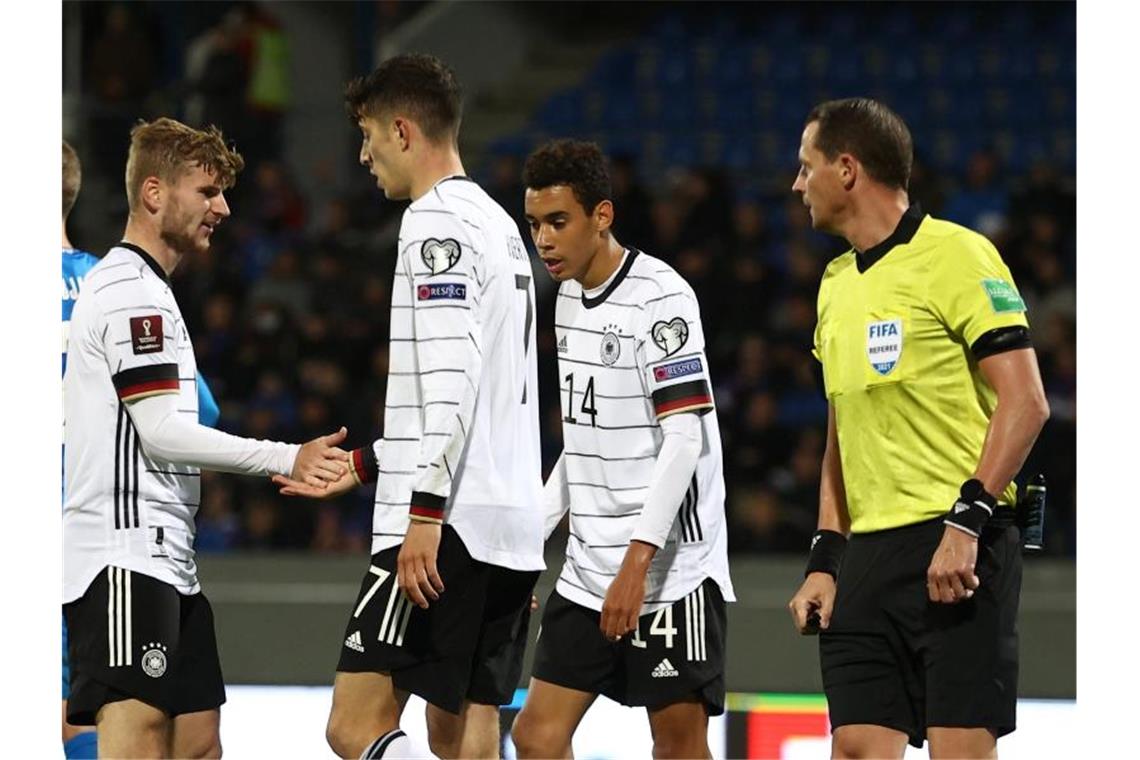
x=604 y=215
x=401 y=132
x=150 y=194
x=848 y=170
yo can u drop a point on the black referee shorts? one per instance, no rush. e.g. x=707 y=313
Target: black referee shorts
x=467 y=645
x=134 y=637
x=893 y=658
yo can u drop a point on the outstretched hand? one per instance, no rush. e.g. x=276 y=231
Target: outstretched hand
x=320 y=461
x=321 y=469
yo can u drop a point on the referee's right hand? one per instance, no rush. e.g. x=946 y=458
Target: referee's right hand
x=817 y=594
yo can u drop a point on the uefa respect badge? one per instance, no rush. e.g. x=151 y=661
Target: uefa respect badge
x=884 y=344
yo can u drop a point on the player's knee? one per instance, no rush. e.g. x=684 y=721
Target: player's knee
x=444 y=733
x=849 y=743
x=668 y=745
x=343 y=736
x=536 y=738
x=848 y=747
x=445 y=747
x=206 y=748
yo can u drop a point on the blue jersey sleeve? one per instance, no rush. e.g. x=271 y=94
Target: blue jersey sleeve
x=76 y=265
x=208 y=411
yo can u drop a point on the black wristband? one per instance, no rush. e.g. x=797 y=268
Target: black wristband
x=973 y=509
x=826 y=552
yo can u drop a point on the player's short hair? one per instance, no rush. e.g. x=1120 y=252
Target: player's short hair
x=577 y=164
x=168 y=149
x=416 y=84
x=871 y=132
x=72 y=177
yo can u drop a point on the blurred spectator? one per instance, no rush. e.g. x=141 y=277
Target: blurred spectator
x=217 y=78
x=632 y=225
x=269 y=89
x=120 y=73
x=983 y=204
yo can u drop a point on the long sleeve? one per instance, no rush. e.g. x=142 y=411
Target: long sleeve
x=168 y=436
x=444 y=270
x=672 y=473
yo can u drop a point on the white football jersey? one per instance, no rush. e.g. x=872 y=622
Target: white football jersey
x=461 y=412
x=628 y=357
x=127 y=341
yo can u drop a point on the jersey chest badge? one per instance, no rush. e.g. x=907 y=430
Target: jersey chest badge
x=611 y=346
x=884 y=344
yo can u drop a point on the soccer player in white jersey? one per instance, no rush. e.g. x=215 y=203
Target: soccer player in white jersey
x=144 y=659
x=457 y=526
x=638 y=613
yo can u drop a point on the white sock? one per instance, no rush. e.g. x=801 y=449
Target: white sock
x=393 y=744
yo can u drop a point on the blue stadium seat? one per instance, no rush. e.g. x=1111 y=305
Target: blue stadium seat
x=619 y=110
x=681 y=150
x=563 y=111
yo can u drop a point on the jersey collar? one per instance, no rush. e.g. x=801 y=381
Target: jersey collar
x=146 y=257
x=460 y=177
x=903 y=234
x=590 y=303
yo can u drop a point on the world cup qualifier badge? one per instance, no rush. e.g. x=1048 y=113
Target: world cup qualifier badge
x=884 y=344
x=146 y=334
x=670 y=336
x=611 y=346
x=440 y=255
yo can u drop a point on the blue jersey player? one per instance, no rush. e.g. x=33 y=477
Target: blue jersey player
x=79 y=741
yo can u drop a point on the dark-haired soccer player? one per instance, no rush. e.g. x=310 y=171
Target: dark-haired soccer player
x=457 y=527
x=935 y=402
x=638 y=613
x=143 y=656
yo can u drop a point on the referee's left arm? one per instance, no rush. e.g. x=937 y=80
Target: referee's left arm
x=979 y=304
x=1020 y=414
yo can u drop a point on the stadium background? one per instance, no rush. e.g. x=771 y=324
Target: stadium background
x=701 y=107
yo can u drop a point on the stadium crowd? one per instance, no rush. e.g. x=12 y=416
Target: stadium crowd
x=290 y=306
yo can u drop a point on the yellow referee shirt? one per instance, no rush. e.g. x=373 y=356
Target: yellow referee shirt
x=894 y=333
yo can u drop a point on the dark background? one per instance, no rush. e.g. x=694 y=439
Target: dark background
x=701 y=108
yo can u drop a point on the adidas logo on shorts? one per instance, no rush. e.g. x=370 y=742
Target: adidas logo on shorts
x=354 y=642
x=665 y=669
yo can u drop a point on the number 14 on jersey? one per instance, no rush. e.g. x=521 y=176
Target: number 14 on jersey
x=587 y=402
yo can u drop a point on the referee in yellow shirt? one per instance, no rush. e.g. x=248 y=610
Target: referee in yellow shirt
x=934 y=401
